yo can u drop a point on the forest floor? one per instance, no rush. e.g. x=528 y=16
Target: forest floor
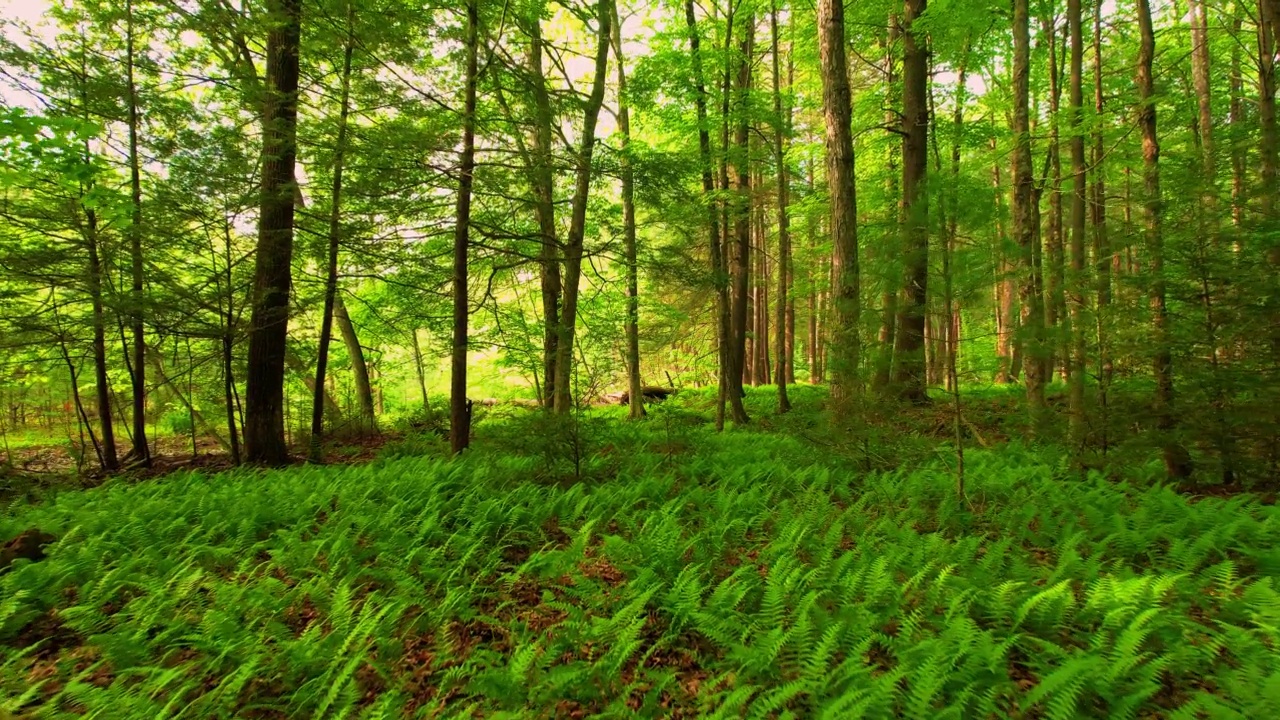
x=604 y=568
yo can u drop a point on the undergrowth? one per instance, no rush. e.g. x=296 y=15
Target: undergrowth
x=661 y=571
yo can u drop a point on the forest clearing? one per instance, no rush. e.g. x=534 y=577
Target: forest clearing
x=609 y=359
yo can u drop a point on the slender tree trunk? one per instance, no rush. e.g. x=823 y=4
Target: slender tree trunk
x=1054 y=299
x=316 y=452
x=782 y=339
x=893 y=205
x=359 y=368
x=742 y=214
x=578 y=217
x=418 y=367
x=718 y=274
x=636 y=392
x=837 y=113
x=1269 y=143
x=545 y=210
x=459 y=405
x=1237 y=121
x=1024 y=226
x=1101 y=243
x=141 y=452
x=1075 y=103
x=269 y=323
x=812 y=336
x=1006 y=317
x=910 y=369
x=110 y=460
x=1177 y=462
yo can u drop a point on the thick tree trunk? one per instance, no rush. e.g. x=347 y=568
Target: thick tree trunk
x=269 y=321
x=1078 y=282
x=910 y=369
x=578 y=217
x=632 y=330
x=1024 y=224
x=837 y=114
x=315 y=450
x=1176 y=460
x=782 y=338
x=141 y=452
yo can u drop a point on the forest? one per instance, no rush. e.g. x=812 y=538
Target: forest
x=610 y=359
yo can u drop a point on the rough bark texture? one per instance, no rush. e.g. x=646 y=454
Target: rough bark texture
x=1101 y=243
x=910 y=371
x=1176 y=460
x=1054 y=298
x=837 y=115
x=459 y=405
x=893 y=208
x=269 y=321
x=578 y=216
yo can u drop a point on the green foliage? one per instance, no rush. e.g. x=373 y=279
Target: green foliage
x=736 y=575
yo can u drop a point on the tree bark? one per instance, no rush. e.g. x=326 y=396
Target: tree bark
x=1075 y=103
x=1024 y=225
x=893 y=205
x=141 y=452
x=417 y=366
x=910 y=369
x=359 y=368
x=1101 y=243
x=718 y=274
x=782 y=344
x=459 y=405
x=545 y=211
x=632 y=329
x=1176 y=460
x=742 y=219
x=269 y=320
x=1054 y=298
x=578 y=217
x=316 y=452
x=837 y=114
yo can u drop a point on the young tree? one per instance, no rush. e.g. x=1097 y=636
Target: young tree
x=782 y=126
x=459 y=405
x=632 y=323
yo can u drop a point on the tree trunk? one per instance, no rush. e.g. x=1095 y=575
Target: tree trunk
x=141 y=452
x=359 y=368
x=1237 y=121
x=718 y=274
x=459 y=405
x=110 y=460
x=420 y=370
x=837 y=113
x=1054 y=299
x=782 y=338
x=578 y=217
x=893 y=205
x=316 y=452
x=1177 y=462
x=1006 y=317
x=1101 y=243
x=1075 y=102
x=811 y=350
x=910 y=369
x=635 y=391
x=742 y=222
x=1024 y=226
x=1269 y=144
x=269 y=321
x=544 y=208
